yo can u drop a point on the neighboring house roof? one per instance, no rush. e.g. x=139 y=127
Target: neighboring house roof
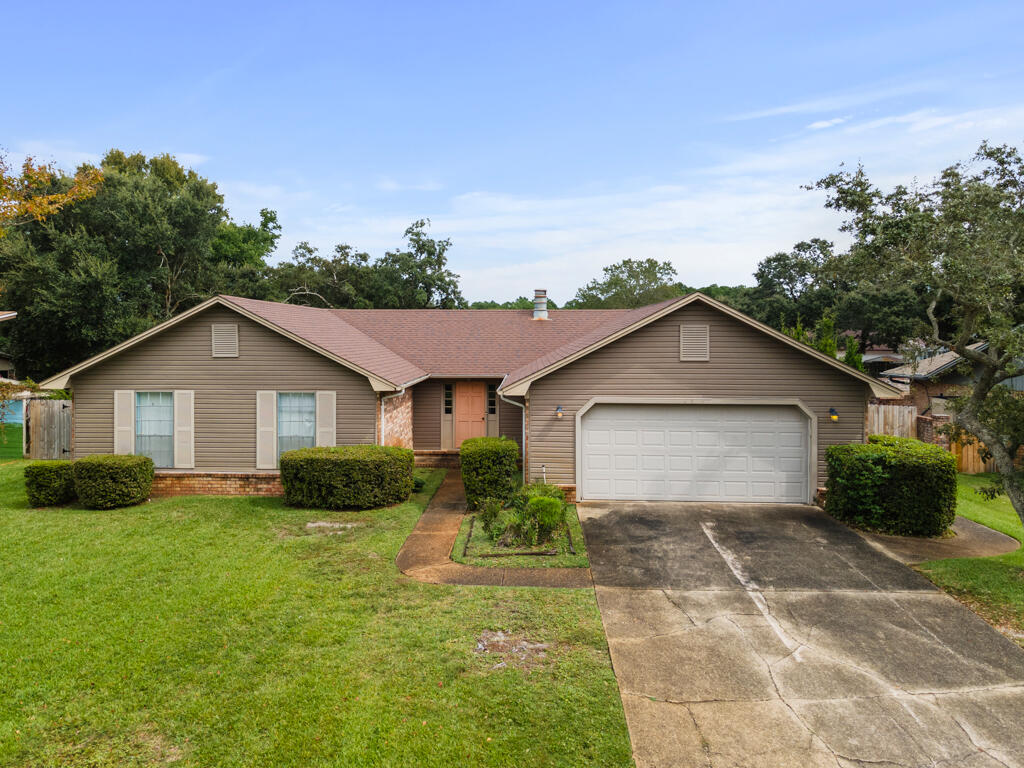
x=930 y=367
x=395 y=348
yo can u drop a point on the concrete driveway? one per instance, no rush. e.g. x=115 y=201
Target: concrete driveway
x=770 y=635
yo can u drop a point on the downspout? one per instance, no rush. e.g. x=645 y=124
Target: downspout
x=522 y=428
x=380 y=425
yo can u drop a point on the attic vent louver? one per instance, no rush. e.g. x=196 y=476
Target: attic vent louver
x=694 y=342
x=224 y=339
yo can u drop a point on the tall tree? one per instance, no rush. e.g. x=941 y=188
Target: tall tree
x=627 y=284
x=961 y=237
x=137 y=252
x=41 y=190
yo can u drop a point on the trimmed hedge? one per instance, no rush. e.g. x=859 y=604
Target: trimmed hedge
x=49 y=483
x=349 y=476
x=107 y=481
x=895 y=485
x=489 y=468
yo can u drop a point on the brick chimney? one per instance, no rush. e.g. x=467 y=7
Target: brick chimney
x=540 y=304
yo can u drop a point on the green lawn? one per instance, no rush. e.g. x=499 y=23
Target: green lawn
x=993 y=586
x=222 y=632
x=481 y=543
x=10 y=442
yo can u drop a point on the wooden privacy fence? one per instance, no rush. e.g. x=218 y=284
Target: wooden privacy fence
x=968 y=458
x=47 y=432
x=898 y=420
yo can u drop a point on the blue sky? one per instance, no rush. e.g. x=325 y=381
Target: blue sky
x=546 y=139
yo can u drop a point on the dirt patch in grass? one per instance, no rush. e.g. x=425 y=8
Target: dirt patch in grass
x=511 y=650
x=146 y=746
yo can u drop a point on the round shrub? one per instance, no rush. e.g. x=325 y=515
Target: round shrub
x=349 y=476
x=549 y=514
x=49 y=483
x=894 y=485
x=532 y=490
x=106 y=481
x=489 y=468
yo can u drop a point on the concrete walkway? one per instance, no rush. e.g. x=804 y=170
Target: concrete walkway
x=426 y=554
x=971 y=539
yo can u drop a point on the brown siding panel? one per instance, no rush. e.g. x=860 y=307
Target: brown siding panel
x=426 y=415
x=225 y=403
x=510 y=421
x=744 y=363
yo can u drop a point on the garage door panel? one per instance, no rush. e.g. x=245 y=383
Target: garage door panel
x=693 y=452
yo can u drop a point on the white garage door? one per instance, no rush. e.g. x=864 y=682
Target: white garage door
x=695 y=453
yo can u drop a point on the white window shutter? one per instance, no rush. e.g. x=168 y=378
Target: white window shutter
x=266 y=430
x=694 y=342
x=124 y=421
x=184 y=429
x=326 y=418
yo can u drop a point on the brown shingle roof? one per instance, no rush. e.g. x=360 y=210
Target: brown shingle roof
x=323 y=328
x=486 y=343
x=928 y=367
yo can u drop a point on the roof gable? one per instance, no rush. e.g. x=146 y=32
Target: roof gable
x=361 y=354
x=518 y=381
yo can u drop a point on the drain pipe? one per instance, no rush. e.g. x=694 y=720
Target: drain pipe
x=522 y=429
x=380 y=427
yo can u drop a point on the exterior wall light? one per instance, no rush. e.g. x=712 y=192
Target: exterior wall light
x=558 y=412
x=833 y=414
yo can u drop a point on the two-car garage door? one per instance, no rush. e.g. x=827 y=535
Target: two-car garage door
x=740 y=453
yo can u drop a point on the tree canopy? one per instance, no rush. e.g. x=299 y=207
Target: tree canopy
x=959 y=240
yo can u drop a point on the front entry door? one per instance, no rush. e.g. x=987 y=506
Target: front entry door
x=470 y=410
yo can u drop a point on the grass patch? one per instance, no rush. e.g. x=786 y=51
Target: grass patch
x=481 y=543
x=992 y=586
x=10 y=442
x=199 y=631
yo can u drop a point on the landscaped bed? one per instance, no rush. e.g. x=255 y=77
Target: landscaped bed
x=992 y=586
x=237 y=631
x=567 y=545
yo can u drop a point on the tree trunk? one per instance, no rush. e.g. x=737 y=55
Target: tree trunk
x=968 y=419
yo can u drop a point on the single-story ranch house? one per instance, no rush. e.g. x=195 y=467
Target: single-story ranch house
x=687 y=399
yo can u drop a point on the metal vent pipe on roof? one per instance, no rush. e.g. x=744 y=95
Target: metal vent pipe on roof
x=540 y=304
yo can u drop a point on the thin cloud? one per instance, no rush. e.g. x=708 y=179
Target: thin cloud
x=387 y=184
x=822 y=124
x=840 y=101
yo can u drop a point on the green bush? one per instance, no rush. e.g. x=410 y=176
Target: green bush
x=418 y=483
x=549 y=514
x=489 y=468
x=350 y=476
x=489 y=512
x=532 y=490
x=893 y=485
x=49 y=483
x=106 y=481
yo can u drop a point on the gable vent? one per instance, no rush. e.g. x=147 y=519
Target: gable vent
x=694 y=342
x=225 y=339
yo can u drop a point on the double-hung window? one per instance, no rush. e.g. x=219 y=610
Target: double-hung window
x=154 y=427
x=296 y=421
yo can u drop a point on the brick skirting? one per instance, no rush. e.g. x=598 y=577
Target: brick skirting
x=437 y=459
x=217 y=484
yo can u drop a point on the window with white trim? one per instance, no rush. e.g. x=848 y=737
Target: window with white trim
x=449 y=399
x=154 y=427
x=296 y=421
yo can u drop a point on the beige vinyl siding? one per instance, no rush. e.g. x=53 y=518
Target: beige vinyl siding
x=426 y=415
x=744 y=363
x=510 y=421
x=225 y=388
